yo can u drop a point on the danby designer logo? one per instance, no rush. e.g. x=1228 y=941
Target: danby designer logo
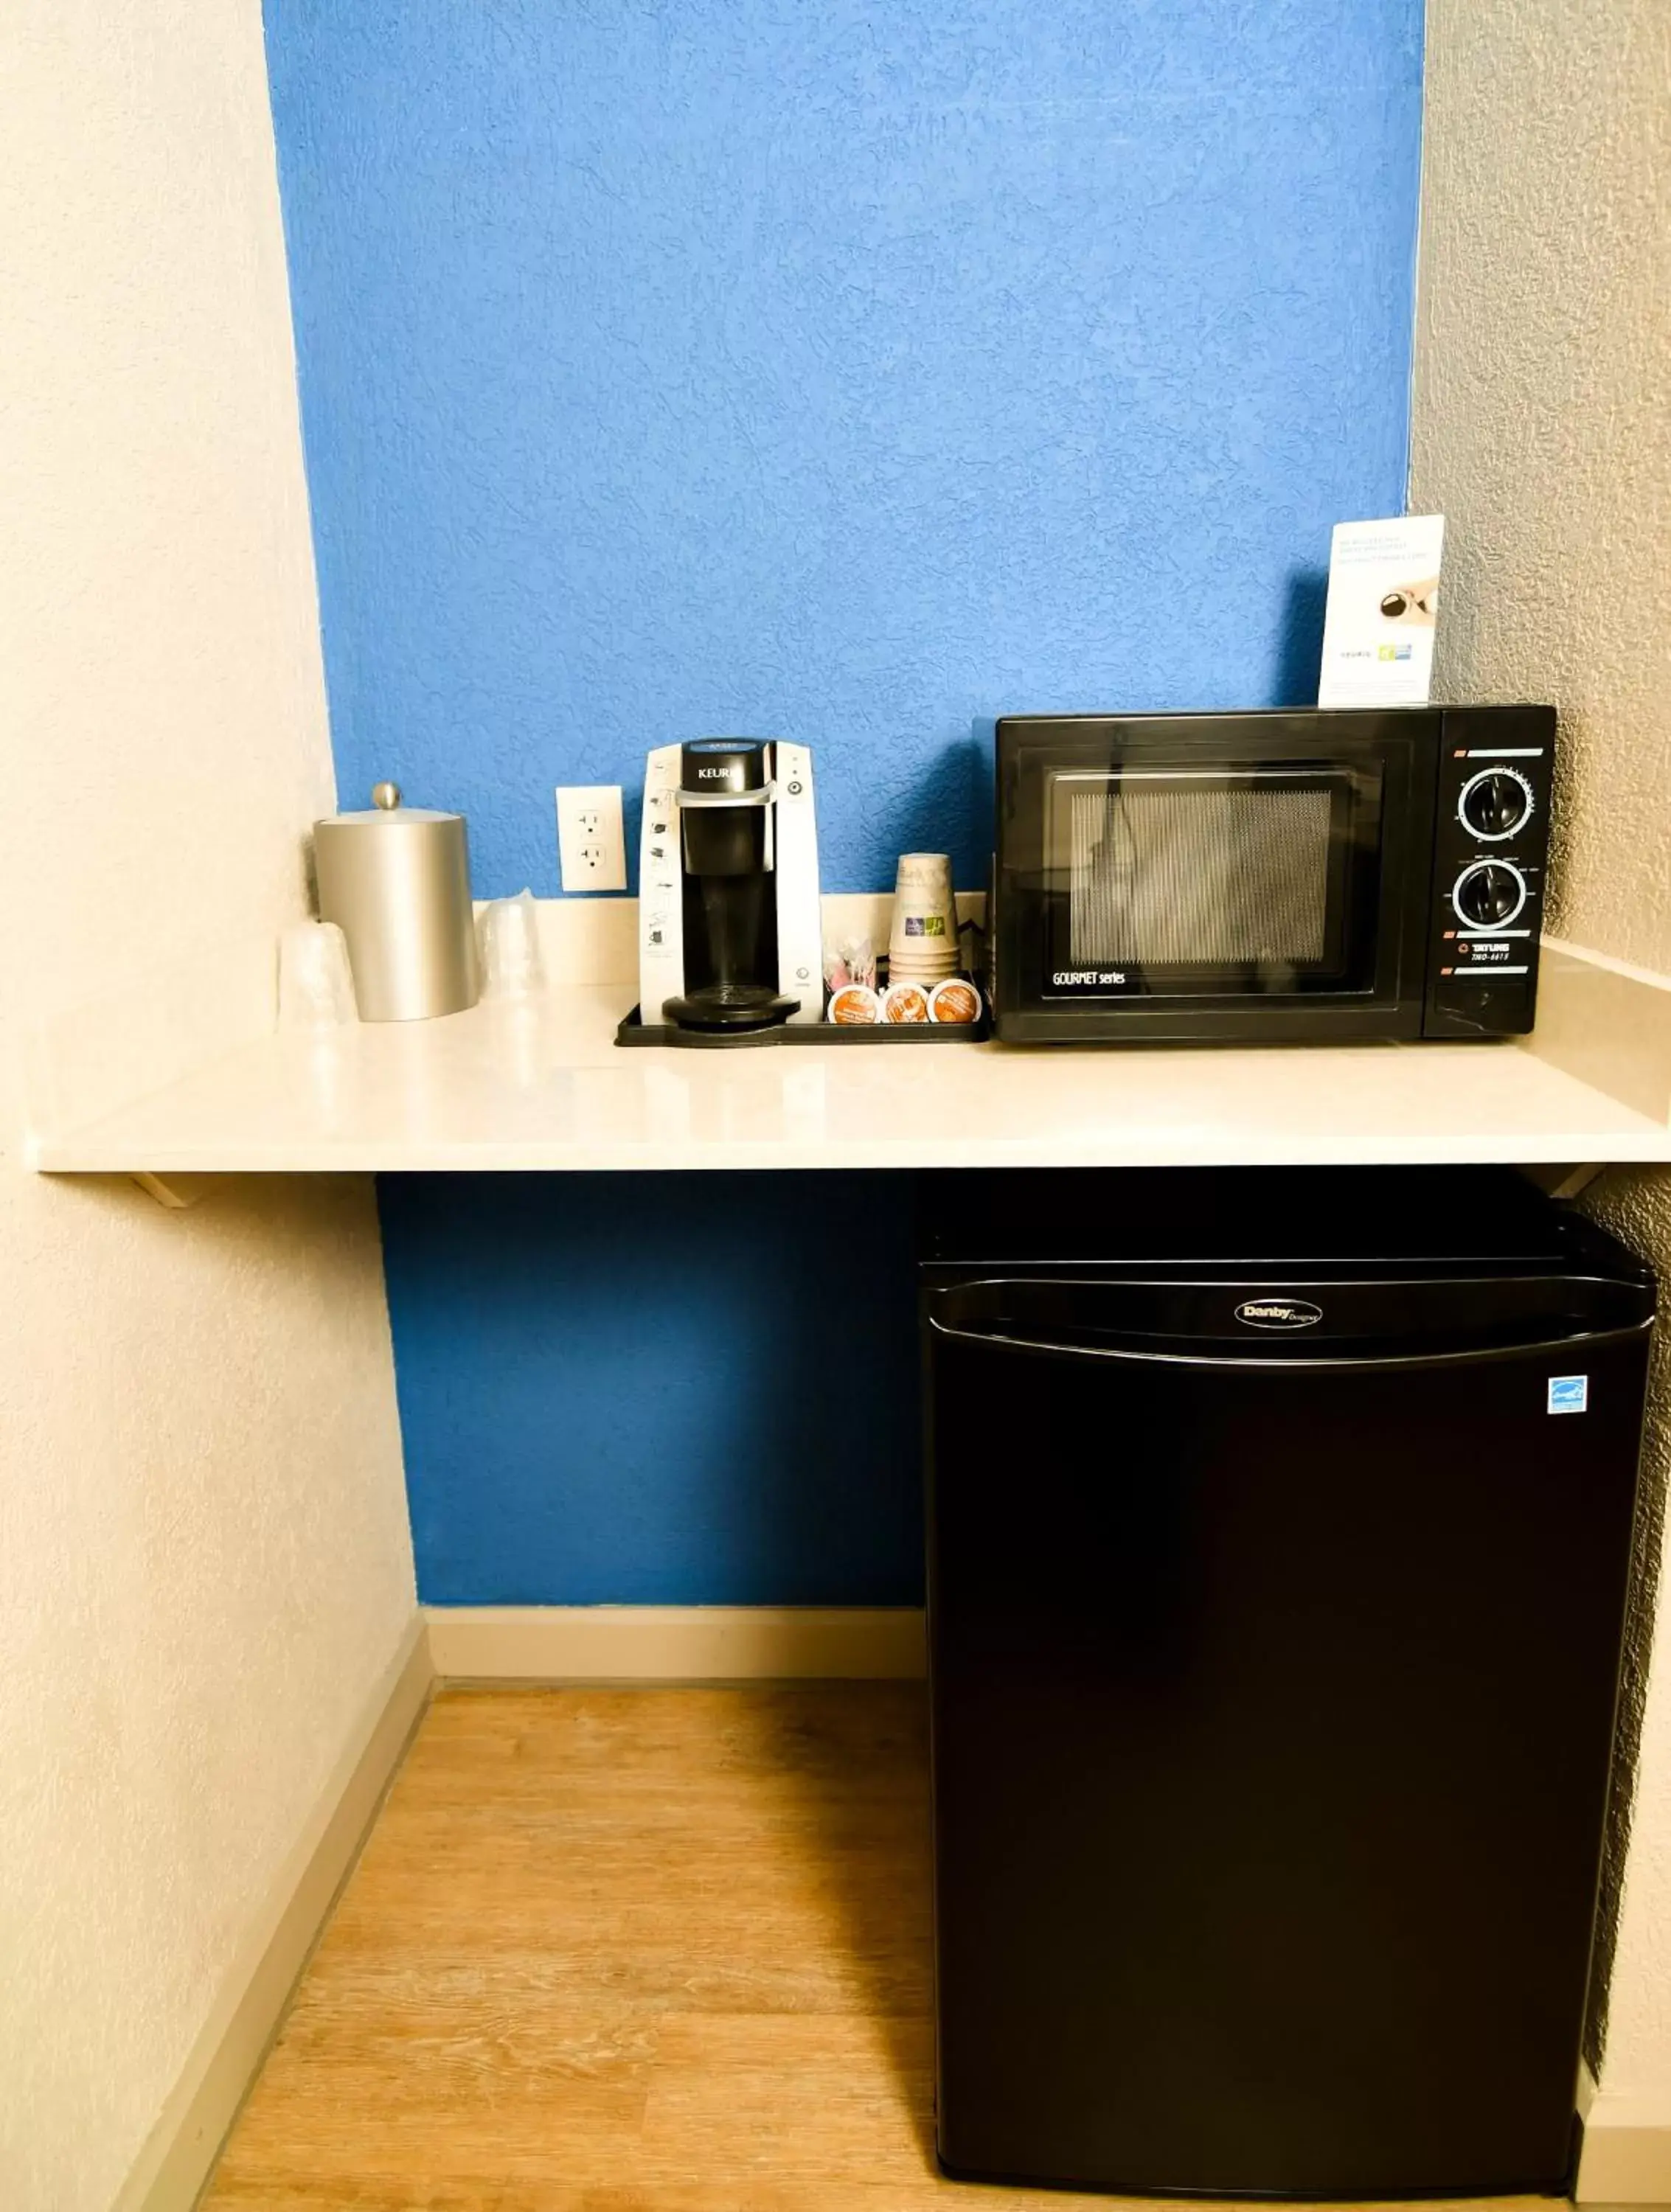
x=1279 y=1313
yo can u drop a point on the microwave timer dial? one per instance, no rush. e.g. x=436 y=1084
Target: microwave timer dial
x=1496 y=802
x=1488 y=894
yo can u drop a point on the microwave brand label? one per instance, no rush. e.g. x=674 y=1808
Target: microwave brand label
x=1068 y=978
x=1279 y=1313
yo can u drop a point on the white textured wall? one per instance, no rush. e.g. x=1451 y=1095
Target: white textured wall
x=1540 y=426
x=1636 y=2067
x=1541 y=429
x=204 y=1565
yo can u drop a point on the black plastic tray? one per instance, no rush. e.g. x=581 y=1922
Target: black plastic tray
x=635 y=1030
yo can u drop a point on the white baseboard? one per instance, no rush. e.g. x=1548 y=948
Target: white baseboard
x=181 y=2148
x=675 y=1643
x=1627 y=2157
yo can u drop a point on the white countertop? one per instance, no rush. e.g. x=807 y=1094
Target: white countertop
x=544 y=1087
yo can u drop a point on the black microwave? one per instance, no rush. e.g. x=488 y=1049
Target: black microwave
x=1270 y=877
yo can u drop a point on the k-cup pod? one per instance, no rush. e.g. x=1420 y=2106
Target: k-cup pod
x=853 y=1005
x=955 y=1000
x=905 y=1002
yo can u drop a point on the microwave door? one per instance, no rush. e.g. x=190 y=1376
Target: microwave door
x=1256 y=876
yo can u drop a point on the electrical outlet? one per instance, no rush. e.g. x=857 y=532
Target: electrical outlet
x=592 y=848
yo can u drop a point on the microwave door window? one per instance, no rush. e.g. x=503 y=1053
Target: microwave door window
x=1228 y=878
x=1229 y=883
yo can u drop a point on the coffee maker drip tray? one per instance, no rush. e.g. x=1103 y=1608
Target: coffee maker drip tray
x=729 y=1008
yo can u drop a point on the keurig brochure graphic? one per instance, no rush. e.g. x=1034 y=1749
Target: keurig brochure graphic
x=1383 y=599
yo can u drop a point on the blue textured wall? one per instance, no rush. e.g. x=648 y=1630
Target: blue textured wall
x=635 y=1389
x=840 y=371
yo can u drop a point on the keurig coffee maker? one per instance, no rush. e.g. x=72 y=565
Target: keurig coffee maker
x=730 y=934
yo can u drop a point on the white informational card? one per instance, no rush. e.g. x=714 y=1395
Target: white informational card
x=1383 y=598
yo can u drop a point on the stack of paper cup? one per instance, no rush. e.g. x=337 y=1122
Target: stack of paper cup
x=923 y=946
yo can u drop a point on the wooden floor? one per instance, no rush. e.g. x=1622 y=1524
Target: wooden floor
x=624 y=1951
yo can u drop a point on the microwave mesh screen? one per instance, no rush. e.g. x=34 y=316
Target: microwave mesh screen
x=1167 y=876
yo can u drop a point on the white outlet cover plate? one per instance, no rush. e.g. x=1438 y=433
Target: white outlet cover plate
x=591 y=848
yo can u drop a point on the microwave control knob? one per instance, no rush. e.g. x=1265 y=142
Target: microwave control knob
x=1495 y=803
x=1488 y=894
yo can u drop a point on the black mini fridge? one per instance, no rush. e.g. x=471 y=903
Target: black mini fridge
x=1279 y=1529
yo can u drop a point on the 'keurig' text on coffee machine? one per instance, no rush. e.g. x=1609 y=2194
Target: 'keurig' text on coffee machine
x=730 y=937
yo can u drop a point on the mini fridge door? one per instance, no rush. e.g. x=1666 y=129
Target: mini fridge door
x=1272 y=1695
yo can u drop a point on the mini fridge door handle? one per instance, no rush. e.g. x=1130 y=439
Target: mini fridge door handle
x=994 y=1339
x=1200 y=1327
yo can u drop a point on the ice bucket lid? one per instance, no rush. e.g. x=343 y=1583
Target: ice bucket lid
x=386 y=811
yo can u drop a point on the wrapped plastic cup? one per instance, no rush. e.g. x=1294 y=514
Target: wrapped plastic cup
x=315 y=982
x=511 y=964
